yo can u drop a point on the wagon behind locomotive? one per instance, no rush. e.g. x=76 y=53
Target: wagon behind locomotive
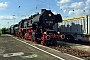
x=78 y=27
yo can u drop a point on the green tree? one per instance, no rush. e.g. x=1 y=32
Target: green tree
x=0 y=31
x=3 y=30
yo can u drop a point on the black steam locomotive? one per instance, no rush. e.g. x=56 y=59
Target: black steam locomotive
x=39 y=28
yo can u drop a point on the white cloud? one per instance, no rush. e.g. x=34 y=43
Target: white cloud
x=88 y=2
x=77 y=5
x=63 y=4
x=74 y=7
x=63 y=7
x=54 y=12
x=70 y=12
x=64 y=1
x=3 y=5
x=64 y=11
x=7 y=18
x=7 y=21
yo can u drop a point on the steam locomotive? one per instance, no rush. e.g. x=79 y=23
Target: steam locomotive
x=39 y=28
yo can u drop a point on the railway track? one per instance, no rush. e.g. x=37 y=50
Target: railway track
x=75 y=52
x=79 y=42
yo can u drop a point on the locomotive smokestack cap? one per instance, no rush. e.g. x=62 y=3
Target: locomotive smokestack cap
x=42 y=10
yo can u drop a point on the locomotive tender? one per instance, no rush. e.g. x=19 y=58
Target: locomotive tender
x=39 y=28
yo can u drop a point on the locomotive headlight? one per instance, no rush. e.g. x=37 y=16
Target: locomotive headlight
x=58 y=32
x=49 y=14
x=44 y=32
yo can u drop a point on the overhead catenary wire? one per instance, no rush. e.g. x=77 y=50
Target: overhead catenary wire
x=19 y=14
x=19 y=7
x=42 y=2
x=36 y=7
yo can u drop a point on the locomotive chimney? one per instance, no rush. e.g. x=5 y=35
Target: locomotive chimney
x=42 y=10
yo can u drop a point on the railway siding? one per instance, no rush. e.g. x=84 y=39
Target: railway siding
x=76 y=46
x=78 y=50
x=78 y=25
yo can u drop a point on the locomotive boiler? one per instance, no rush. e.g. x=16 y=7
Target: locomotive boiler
x=46 y=19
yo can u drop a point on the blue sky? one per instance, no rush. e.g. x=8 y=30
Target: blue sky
x=12 y=11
